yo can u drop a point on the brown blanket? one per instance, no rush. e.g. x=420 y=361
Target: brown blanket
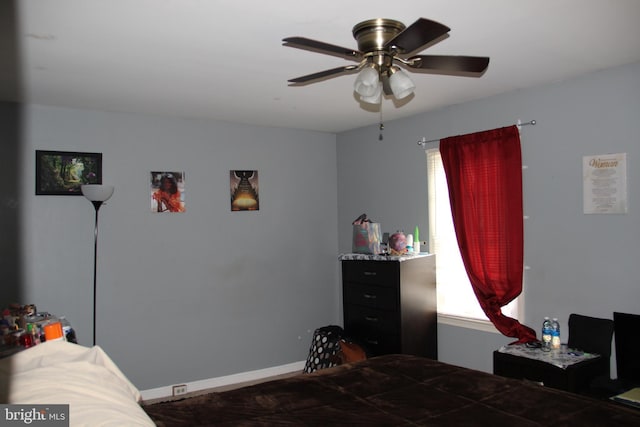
x=394 y=390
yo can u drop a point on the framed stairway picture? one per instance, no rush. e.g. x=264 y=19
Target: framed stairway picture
x=244 y=190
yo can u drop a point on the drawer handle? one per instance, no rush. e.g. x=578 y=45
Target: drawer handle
x=371 y=319
x=370 y=273
x=369 y=296
x=374 y=342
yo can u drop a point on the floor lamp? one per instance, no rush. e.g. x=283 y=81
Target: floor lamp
x=97 y=194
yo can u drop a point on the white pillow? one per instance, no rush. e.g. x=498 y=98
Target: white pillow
x=58 y=372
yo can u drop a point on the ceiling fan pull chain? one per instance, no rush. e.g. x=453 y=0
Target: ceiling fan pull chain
x=380 y=137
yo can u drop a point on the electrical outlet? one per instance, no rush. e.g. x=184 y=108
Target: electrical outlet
x=179 y=389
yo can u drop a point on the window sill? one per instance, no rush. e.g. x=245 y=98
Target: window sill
x=467 y=322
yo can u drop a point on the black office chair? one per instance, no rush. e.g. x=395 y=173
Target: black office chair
x=627 y=330
x=592 y=335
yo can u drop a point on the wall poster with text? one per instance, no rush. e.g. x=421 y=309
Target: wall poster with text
x=605 y=184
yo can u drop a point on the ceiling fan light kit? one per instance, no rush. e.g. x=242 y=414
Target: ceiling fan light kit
x=376 y=97
x=385 y=45
x=401 y=84
x=366 y=84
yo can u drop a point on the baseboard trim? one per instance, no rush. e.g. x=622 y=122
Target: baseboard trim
x=242 y=377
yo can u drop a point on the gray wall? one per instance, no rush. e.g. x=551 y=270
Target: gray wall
x=578 y=263
x=181 y=297
x=208 y=293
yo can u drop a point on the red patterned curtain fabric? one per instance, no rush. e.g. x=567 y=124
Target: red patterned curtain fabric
x=484 y=175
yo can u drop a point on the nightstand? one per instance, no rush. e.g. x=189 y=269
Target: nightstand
x=557 y=369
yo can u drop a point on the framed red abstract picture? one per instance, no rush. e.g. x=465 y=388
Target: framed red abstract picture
x=167 y=192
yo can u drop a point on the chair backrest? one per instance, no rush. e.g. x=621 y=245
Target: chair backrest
x=627 y=329
x=590 y=334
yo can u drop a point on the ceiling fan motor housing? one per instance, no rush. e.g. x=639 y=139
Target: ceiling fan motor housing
x=373 y=34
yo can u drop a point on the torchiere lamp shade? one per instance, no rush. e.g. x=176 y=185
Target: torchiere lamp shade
x=97 y=192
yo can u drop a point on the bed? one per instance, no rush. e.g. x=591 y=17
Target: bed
x=392 y=390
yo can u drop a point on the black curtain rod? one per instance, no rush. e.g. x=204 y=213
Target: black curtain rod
x=423 y=141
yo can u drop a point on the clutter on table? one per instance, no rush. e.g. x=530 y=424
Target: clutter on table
x=23 y=326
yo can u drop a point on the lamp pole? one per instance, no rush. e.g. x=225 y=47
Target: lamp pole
x=96 y=205
x=97 y=194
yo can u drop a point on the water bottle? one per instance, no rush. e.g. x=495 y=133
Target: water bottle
x=555 y=334
x=546 y=334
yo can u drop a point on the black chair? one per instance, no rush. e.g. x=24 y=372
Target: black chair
x=626 y=327
x=627 y=330
x=591 y=335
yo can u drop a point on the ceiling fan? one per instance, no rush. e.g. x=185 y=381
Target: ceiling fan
x=383 y=46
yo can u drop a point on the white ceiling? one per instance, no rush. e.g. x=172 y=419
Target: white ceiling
x=224 y=59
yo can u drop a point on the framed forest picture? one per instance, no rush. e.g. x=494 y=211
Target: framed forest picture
x=61 y=173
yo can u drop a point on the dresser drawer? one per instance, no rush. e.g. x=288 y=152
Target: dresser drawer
x=383 y=273
x=378 y=344
x=376 y=330
x=365 y=319
x=371 y=296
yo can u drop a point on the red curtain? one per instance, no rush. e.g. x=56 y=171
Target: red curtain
x=484 y=175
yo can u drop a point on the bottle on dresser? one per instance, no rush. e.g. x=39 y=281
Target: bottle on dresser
x=555 y=334
x=546 y=334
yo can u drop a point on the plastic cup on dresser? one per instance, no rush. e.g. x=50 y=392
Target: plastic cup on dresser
x=53 y=331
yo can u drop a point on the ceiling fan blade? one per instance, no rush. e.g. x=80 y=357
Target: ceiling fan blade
x=334 y=72
x=322 y=47
x=417 y=35
x=475 y=65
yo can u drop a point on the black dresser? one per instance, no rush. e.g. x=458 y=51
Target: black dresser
x=389 y=303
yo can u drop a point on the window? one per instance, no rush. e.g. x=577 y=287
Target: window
x=456 y=298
